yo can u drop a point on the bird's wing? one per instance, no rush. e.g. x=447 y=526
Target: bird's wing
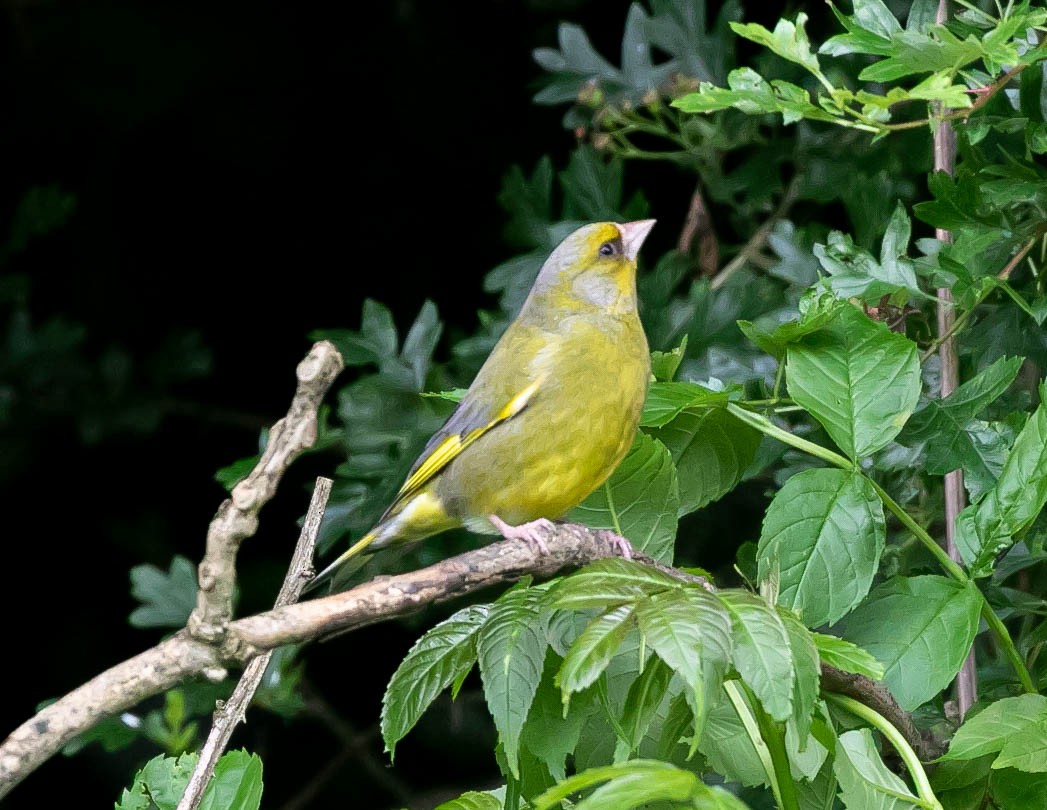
x=468 y=423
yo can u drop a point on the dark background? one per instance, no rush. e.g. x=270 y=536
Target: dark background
x=250 y=172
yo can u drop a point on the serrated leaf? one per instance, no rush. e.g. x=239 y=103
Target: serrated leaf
x=865 y=782
x=914 y=52
x=667 y=400
x=1015 y=728
x=640 y=500
x=664 y=366
x=689 y=629
x=593 y=650
x=440 y=657
x=761 y=651
x=920 y=629
x=822 y=538
x=711 y=450
x=167 y=598
x=806 y=672
x=726 y=745
x=985 y=529
x=511 y=649
x=775 y=341
x=644 y=698
x=752 y=94
x=549 y=735
x=857 y=378
x=608 y=582
x=236 y=784
x=788 y=40
x=855 y=273
x=842 y=654
x=420 y=342
x=966 y=402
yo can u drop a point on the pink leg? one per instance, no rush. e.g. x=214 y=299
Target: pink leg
x=620 y=544
x=528 y=532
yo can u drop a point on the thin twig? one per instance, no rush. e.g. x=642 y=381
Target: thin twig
x=359 y=742
x=759 y=237
x=955 y=494
x=228 y=716
x=699 y=226
x=237 y=517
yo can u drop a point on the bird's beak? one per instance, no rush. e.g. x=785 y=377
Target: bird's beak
x=633 y=234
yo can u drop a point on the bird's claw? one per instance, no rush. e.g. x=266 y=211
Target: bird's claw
x=529 y=532
x=618 y=543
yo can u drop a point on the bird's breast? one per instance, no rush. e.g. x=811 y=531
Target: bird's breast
x=573 y=433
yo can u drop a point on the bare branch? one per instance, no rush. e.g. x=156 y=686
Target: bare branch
x=878 y=698
x=955 y=494
x=182 y=657
x=228 y=716
x=752 y=248
x=237 y=517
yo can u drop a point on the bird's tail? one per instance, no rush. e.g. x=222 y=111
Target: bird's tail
x=328 y=573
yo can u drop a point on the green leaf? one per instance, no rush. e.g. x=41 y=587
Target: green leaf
x=985 y=529
x=167 y=598
x=855 y=273
x=788 y=40
x=761 y=651
x=608 y=582
x=955 y=439
x=913 y=52
x=727 y=746
x=667 y=400
x=511 y=649
x=752 y=94
x=920 y=629
x=1014 y=727
x=821 y=540
x=635 y=784
x=644 y=698
x=640 y=500
x=689 y=629
x=664 y=365
x=472 y=800
x=711 y=450
x=842 y=654
x=640 y=789
x=967 y=401
x=857 y=378
x=806 y=672
x=236 y=784
x=865 y=782
x=375 y=343
x=593 y=650
x=1013 y=790
x=159 y=785
x=439 y=658
x=776 y=341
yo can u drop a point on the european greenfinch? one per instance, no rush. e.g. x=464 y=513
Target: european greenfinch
x=552 y=411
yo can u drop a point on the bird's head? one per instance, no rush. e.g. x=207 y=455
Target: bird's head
x=595 y=266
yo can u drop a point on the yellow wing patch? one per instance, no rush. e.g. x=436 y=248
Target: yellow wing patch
x=447 y=450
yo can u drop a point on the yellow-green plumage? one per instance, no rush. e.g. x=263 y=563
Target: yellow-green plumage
x=553 y=410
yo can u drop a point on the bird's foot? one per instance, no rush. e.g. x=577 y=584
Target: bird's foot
x=528 y=532
x=619 y=543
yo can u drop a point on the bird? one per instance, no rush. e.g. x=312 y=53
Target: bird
x=550 y=414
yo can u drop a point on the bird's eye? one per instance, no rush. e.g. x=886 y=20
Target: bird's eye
x=608 y=249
